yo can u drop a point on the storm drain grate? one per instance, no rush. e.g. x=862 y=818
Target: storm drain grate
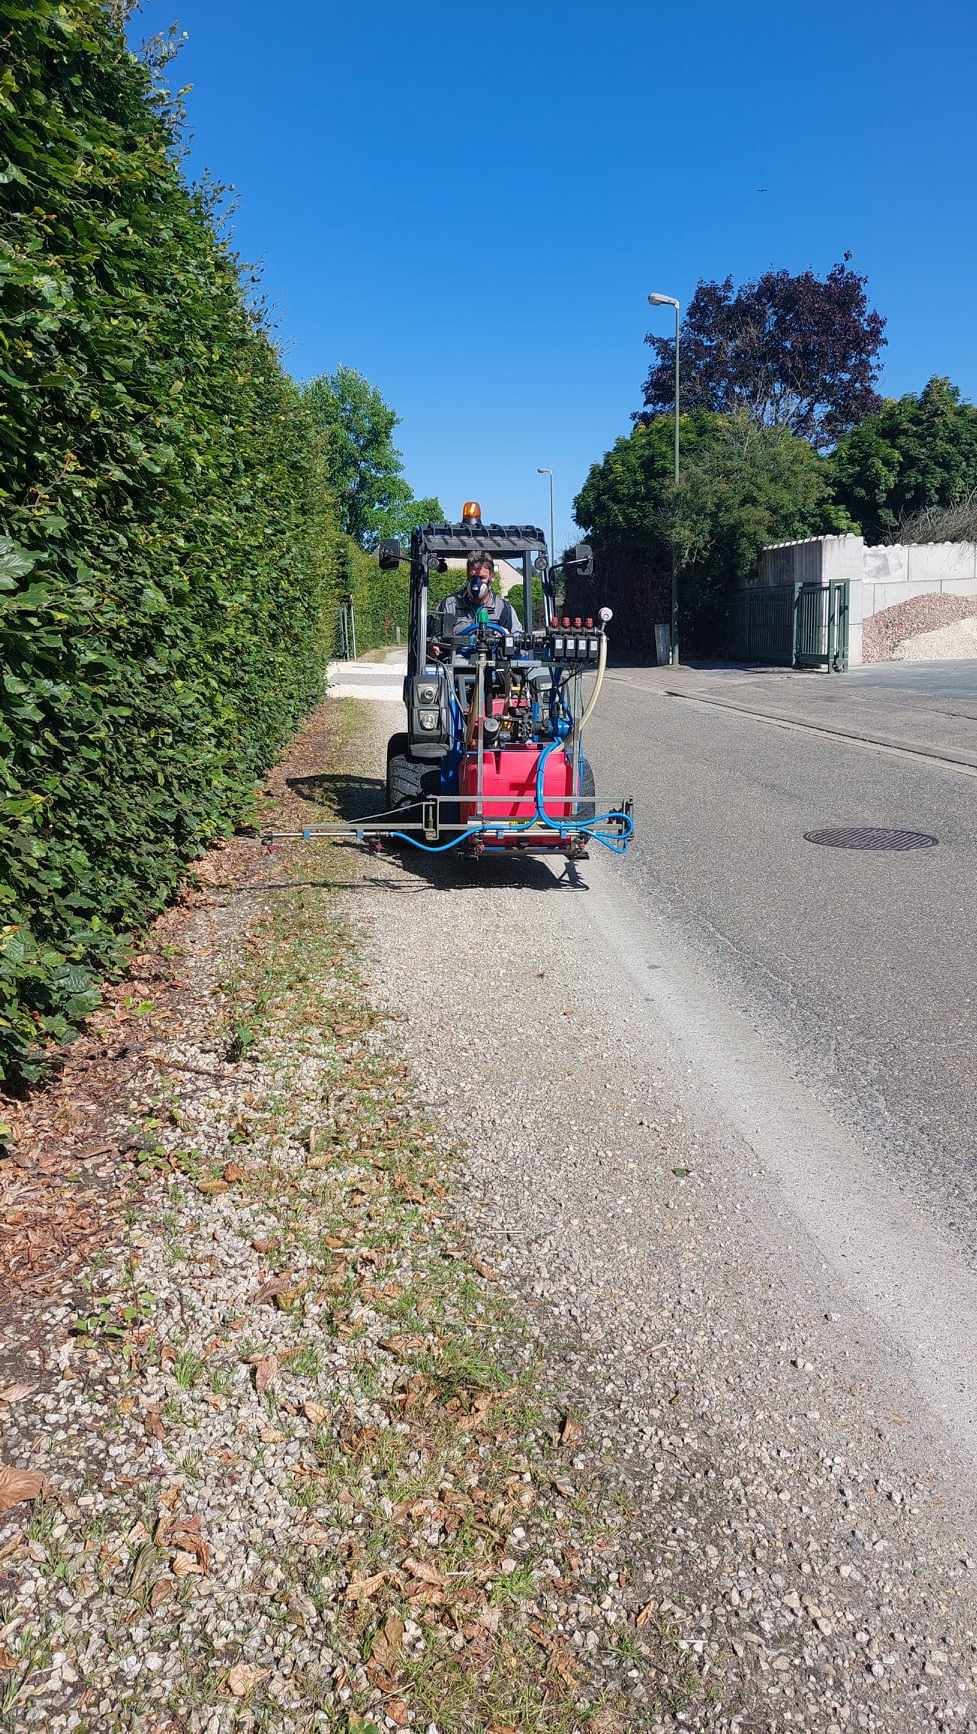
x=871 y=837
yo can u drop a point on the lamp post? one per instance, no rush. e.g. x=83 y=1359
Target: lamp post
x=549 y=473
x=670 y=301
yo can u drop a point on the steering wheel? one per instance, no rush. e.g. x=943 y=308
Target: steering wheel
x=482 y=626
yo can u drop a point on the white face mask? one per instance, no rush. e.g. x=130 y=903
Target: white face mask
x=478 y=588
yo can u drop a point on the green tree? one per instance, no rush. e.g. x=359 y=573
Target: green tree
x=365 y=467
x=628 y=495
x=400 y=518
x=917 y=451
x=741 y=486
x=748 y=486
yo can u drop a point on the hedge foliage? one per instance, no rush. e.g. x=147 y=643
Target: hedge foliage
x=381 y=600
x=167 y=592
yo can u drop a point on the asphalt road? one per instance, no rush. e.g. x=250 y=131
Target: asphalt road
x=717 y=1106
x=859 y=967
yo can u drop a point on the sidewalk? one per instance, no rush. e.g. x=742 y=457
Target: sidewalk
x=912 y=707
x=378 y=682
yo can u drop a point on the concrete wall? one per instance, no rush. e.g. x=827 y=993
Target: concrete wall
x=878 y=577
x=898 y=572
x=816 y=560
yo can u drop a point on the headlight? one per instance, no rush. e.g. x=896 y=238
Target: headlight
x=429 y=719
x=427 y=692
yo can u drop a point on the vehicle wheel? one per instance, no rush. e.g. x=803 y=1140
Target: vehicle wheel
x=588 y=791
x=408 y=781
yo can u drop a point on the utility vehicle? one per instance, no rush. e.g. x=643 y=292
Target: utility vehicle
x=492 y=758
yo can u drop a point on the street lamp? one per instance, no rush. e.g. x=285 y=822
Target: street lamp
x=670 y=301
x=549 y=473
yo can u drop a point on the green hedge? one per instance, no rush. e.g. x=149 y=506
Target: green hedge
x=381 y=600
x=167 y=593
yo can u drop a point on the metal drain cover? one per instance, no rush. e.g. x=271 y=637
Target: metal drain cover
x=871 y=837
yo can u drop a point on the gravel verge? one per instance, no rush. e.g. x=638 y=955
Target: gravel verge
x=282 y=1452
x=816 y=1566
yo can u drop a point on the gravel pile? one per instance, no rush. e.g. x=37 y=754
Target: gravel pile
x=884 y=631
x=949 y=643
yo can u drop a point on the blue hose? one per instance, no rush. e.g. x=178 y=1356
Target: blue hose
x=617 y=845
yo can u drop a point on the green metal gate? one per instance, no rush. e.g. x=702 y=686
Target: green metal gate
x=792 y=625
x=821 y=626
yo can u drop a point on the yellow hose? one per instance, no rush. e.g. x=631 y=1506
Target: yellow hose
x=579 y=727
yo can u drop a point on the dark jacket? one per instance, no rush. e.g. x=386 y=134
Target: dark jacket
x=458 y=611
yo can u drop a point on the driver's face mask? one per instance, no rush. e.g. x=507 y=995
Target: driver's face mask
x=478 y=588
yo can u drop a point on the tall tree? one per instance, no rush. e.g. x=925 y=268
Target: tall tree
x=798 y=352
x=742 y=486
x=366 y=468
x=916 y=452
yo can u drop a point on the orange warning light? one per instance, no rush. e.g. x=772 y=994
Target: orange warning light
x=471 y=512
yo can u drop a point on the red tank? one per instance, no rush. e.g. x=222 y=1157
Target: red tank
x=509 y=775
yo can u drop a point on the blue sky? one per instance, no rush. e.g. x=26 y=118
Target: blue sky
x=470 y=205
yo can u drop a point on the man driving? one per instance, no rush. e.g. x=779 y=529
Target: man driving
x=478 y=591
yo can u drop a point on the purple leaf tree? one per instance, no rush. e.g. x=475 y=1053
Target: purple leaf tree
x=800 y=352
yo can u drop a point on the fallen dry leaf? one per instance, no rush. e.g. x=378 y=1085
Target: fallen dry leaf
x=265 y=1371
x=571 y=1432
x=154 y=1425
x=14 y=1393
x=7 y=1659
x=233 y=1171
x=363 y=1589
x=212 y=1188
x=427 y=1573
x=485 y=1270
x=410 y=1193
x=243 y=1678
x=314 y=1535
x=143 y=1562
x=185 y=1565
x=396 y=1710
x=185 y=1534
x=647 y=1613
x=271 y=1289
x=17 y=1485
x=162 y=1592
x=401 y=1346
x=315 y=1412
x=387 y=1647
x=270 y=1435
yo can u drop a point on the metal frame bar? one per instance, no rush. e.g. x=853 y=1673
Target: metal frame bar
x=429 y=823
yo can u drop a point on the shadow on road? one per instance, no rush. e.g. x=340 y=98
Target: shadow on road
x=348 y=796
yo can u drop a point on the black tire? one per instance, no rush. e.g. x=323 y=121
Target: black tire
x=403 y=773
x=408 y=781
x=588 y=791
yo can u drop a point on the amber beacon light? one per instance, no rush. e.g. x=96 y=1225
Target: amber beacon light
x=471 y=512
